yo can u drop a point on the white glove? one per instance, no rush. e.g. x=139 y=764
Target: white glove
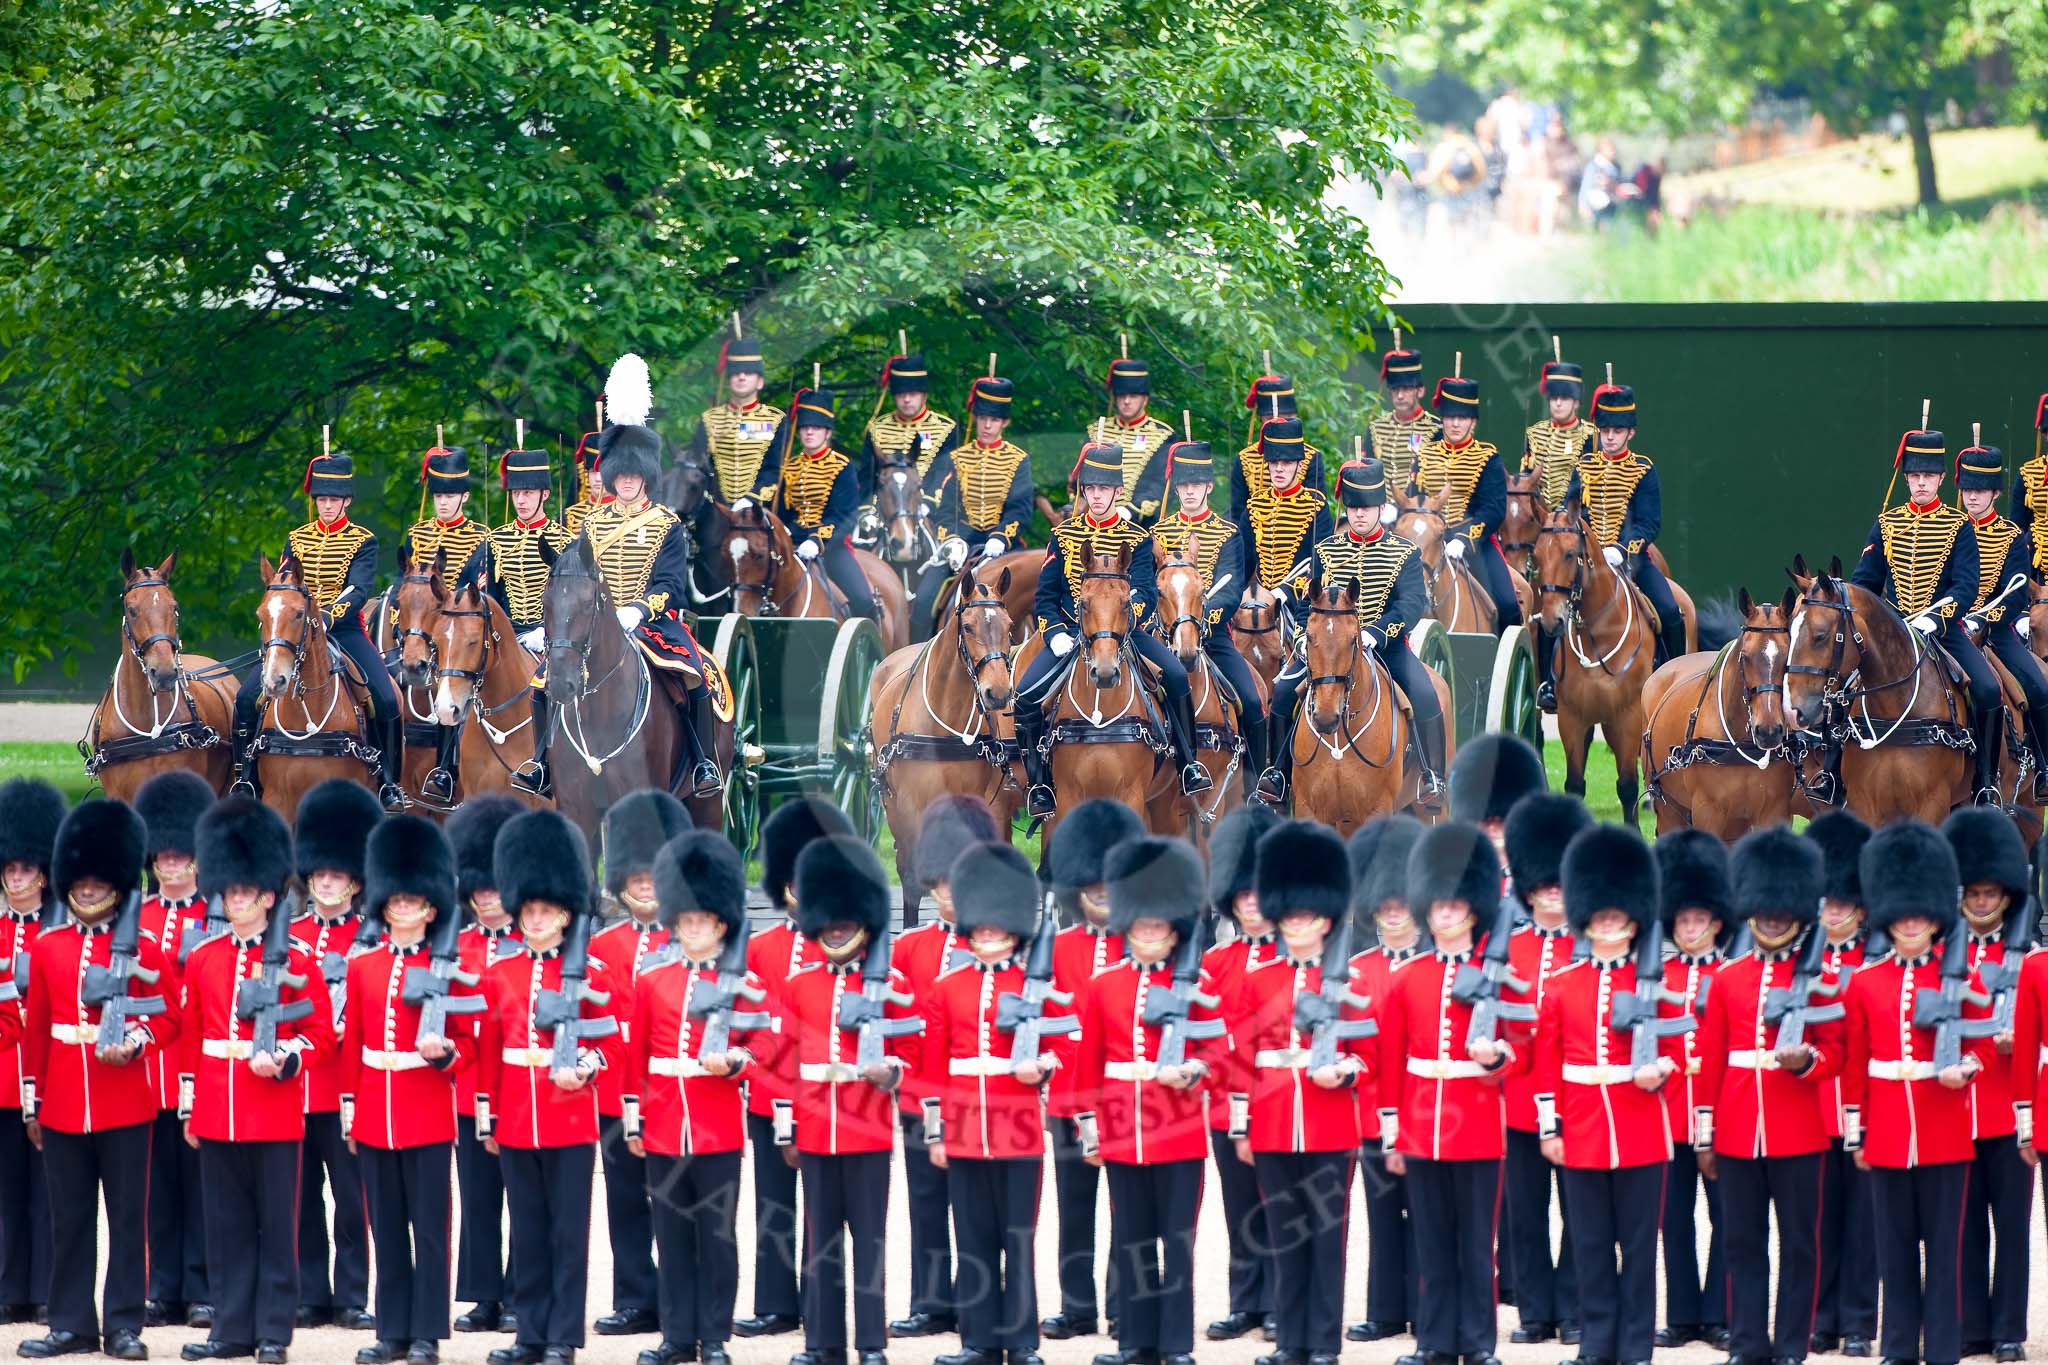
x=1061 y=644
x=924 y=511
x=630 y=619
x=1389 y=514
x=742 y=504
x=1370 y=639
x=954 y=552
x=1926 y=625
x=2024 y=625
x=993 y=547
x=534 y=639
x=1123 y=513
x=1455 y=548
x=808 y=550
x=1279 y=595
x=1612 y=555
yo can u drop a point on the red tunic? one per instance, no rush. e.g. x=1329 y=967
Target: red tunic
x=772 y=955
x=1759 y=1110
x=401 y=1099
x=478 y=950
x=2030 y=1028
x=326 y=939
x=836 y=1111
x=623 y=947
x=1224 y=966
x=921 y=954
x=683 y=1112
x=1685 y=976
x=1080 y=953
x=1842 y=960
x=964 y=1059
x=76 y=1092
x=1449 y=1107
x=1582 y=1067
x=1137 y=1120
x=1989 y=1097
x=1909 y=1117
x=1372 y=976
x=1535 y=956
x=529 y=1110
x=1289 y=1112
x=231 y=1103
x=166 y=922
x=18 y=930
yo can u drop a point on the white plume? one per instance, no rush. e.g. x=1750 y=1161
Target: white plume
x=628 y=391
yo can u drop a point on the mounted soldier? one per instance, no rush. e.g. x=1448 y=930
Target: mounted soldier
x=1137 y=435
x=982 y=489
x=818 y=498
x=2005 y=553
x=1551 y=448
x=2030 y=487
x=444 y=478
x=1271 y=397
x=1398 y=435
x=909 y=422
x=1471 y=471
x=736 y=437
x=1285 y=519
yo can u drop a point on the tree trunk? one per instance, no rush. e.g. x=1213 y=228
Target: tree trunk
x=1923 y=149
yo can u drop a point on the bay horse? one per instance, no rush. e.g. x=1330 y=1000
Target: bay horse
x=769 y=578
x=2037 y=615
x=1454 y=594
x=940 y=714
x=483 y=681
x=1519 y=524
x=411 y=612
x=687 y=488
x=905 y=541
x=1182 y=619
x=1353 y=743
x=313 y=722
x=1715 y=750
x=163 y=709
x=1260 y=629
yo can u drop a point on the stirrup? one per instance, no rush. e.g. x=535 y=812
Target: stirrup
x=437 y=788
x=1825 y=788
x=393 y=798
x=1272 y=788
x=1987 y=796
x=1429 y=787
x=1546 y=698
x=242 y=786
x=531 y=777
x=705 y=779
x=1039 y=802
x=1194 y=778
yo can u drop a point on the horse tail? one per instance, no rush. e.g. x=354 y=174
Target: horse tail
x=1719 y=622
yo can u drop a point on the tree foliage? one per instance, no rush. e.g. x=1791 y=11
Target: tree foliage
x=225 y=225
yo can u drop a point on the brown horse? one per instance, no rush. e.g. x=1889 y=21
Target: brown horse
x=410 y=616
x=905 y=539
x=2037 y=615
x=163 y=709
x=941 y=719
x=769 y=578
x=1260 y=629
x=1454 y=593
x=482 y=681
x=1714 y=735
x=1519 y=524
x=313 y=724
x=1354 y=751
x=1183 y=620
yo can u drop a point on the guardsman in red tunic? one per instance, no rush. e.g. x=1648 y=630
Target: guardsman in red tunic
x=1301 y=1121
x=1692 y=872
x=1909 y=1122
x=92 y=1106
x=398 y=1079
x=248 y=1110
x=1441 y=1109
x=1761 y=1129
x=1234 y=898
x=1601 y=1116
x=30 y=811
x=170 y=805
x=490 y=937
x=1145 y=1109
x=635 y=828
x=983 y=1118
x=1380 y=913
x=773 y=955
x=540 y=1118
x=2000 y=1194
x=1546 y=1292
x=949 y=826
x=1084 y=950
x=1847 y=1315
x=329 y=839
x=845 y=1109
x=684 y=1112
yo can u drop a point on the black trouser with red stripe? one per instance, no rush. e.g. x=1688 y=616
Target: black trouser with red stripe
x=846 y=1198
x=775 y=1280
x=931 y=1235
x=1848 y=1248
x=995 y=1220
x=2000 y=1203
x=177 y=1235
x=1546 y=1291
x=252 y=1192
x=1616 y=1211
x=547 y=1190
x=1251 y=1276
x=1689 y=1304
x=1751 y=1188
x=1075 y=1185
x=1390 y=1238
x=327 y=1150
x=24 y=1216
x=1921 y=1208
x=1458 y=1204
x=408 y=1193
x=82 y=1167
x=480 y=1271
x=627 y=1219
x=695 y=1201
x=1156 y=1205
x=1307 y=1199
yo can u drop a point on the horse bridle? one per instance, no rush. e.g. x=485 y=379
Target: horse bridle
x=972 y=665
x=1119 y=636
x=1575 y=590
x=1833 y=689
x=582 y=651
x=297 y=648
x=765 y=589
x=1200 y=621
x=407 y=632
x=140 y=647
x=489 y=637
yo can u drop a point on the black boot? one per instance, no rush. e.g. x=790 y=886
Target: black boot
x=532 y=776
x=1039 y=799
x=2037 y=740
x=1546 y=685
x=1990 y=737
x=696 y=719
x=390 y=765
x=242 y=744
x=1180 y=720
x=1252 y=722
x=1671 y=635
x=437 y=788
x=1274 y=781
x=1429 y=738
x=1826 y=787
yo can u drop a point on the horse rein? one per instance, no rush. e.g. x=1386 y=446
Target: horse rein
x=138 y=648
x=1574 y=595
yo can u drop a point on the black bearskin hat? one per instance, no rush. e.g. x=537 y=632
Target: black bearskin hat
x=949 y=826
x=410 y=856
x=1379 y=867
x=993 y=885
x=785 y=835
x=1538 y=828
x=1692 y=867
x=1154 y=878
x=1454 y=862
x=243 y=843
x=473 y=831
x=839 y=880
x=699 y=869
x=1608 y=867
x=1303 y=866
x=1909 y=869
x=1083 y=839
x=170 y=805
x=1775 y=872
x=1840 y=837
x=1492 y=773
x=541 y=856
x=1988 y=848
x=1234 y=853
x=30 y=811
x=333 y=827
x=102 y=839
x=635 y=828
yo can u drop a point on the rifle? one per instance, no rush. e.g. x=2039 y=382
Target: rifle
x=429 y=988
x=1167 y=1010
x=1942 y=1010
x=562 y=1010
x=107 y=986
x=716 y=1002
x=1791 y=1007
x=10 y=989
x=196 y=932
x=1479 y=984
x=334 y=966
x=2002 y=978
x=261 y=997
x=1022 y=1016
x=865 y=1011
x=1321 y=1014
x=1636 y=1014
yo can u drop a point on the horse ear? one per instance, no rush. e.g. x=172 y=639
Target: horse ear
x=1787 y=603
x=548 y=553
x=1003 y=582
x=1798 y=569
x=127 y=561
x=438 y=573
x=1743 y=603
x=266 y=568
x=1834 y=566
x=163 y=570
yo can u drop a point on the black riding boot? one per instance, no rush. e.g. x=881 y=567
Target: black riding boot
x=2037 y=740
x=1429 y=738
x=1180 y=720
x=1279 y=772
x=1252 y=724
x=1990 y=747
x=1039 y=799
x=1826 y=789
x=241 y=749
x=1546 y=684
x=391 y=763
x=1671 y=637
x=532 y=777
x=437 y=788
x=696 y=719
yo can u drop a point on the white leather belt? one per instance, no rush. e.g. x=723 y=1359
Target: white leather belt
x=1692 y=1066
x=683 y=1068
x=2044 y=1056
x=75 y=1033
x=979 y=1066
x=829 y=1073
x=1754 y=1059
x=1902 y=1071
x=1130 y=1071
x=527 y=1056
x=228 y=1049
x=1280 y=1058
x=378 y=1060
x=1611 y=1074
x=1431 y=1069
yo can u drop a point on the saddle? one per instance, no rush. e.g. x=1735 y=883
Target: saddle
x=674 y=679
